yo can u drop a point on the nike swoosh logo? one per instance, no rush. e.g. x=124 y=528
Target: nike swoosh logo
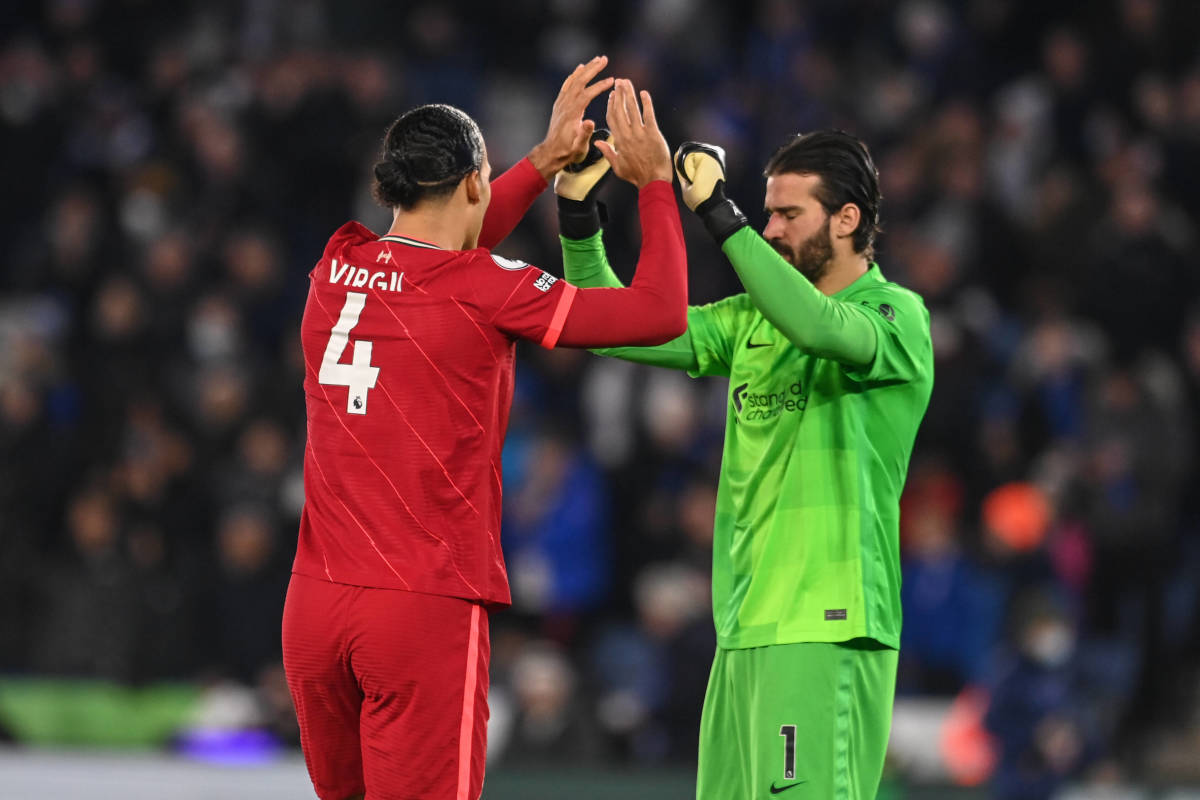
x=777 y=789
x=750 y=345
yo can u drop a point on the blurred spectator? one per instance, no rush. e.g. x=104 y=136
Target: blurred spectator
x=1038 y=710
x=556 y=528
x=246 y=599
x=1137 y=283
x=90 y=603
x=1136 y=457
x=952 y=610
x=651 y=676
x=258 y=472
x=545 y=723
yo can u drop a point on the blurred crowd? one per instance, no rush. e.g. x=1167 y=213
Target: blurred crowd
x=174 y=169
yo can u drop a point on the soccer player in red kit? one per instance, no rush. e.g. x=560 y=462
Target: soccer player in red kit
x=409 y=342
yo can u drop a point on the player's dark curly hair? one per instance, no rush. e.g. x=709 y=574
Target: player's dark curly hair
x=426 y=152
x=847 y=173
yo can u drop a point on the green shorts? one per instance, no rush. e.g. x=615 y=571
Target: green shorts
x=808 y=720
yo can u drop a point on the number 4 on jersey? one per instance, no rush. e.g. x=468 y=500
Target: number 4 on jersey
x=358 y=376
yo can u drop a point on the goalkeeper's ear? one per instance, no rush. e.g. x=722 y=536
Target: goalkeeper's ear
x=578 y=185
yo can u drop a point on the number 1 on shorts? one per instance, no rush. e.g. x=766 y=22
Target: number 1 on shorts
x=788 y=732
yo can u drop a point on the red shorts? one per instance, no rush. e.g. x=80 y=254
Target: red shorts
x=390 y=689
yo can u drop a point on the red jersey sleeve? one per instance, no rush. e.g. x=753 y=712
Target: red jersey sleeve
x=518 y=299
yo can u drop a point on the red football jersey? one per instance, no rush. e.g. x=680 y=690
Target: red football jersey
x=409 y=354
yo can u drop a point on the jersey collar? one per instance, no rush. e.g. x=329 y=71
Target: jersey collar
x=408 y=240
x=872 y=275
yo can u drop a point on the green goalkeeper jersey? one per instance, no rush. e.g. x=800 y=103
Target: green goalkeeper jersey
x=819 y=428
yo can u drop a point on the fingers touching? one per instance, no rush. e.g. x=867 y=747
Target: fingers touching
x=637 y=152
x=623 y=111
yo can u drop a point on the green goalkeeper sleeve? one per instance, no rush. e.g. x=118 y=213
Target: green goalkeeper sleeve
x=585 y=264
x=815 y=323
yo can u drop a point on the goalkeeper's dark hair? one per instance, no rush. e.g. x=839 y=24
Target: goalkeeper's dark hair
x=426 y=152
x=848 y=175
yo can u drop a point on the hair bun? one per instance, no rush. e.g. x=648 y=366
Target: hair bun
x=394 y=183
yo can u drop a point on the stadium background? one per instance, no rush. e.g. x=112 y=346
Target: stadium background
x=172 y=170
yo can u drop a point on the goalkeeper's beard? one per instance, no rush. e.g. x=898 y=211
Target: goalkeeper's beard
x=813 y=258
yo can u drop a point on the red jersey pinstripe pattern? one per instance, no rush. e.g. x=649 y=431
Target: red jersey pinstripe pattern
x=402 y=476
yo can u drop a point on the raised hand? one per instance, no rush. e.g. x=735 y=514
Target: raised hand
x=701 y=170
x=638 y=152
x=568 y=135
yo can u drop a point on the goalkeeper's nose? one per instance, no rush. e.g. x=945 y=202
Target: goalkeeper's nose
x=776 y=226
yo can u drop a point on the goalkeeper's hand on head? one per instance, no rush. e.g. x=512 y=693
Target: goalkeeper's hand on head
x=577 y=187
x=701 y=170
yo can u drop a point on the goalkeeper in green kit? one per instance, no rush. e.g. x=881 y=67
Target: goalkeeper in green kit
x=830 y=368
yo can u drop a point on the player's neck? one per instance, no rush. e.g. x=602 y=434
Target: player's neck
x=844 y=270
x=441 y=227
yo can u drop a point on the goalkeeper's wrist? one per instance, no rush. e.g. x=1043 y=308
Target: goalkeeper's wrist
x=584 y=260
x=721 y=217
x=578 y=219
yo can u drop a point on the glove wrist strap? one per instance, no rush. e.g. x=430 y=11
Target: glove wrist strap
x=579 y=219
x=721 y=217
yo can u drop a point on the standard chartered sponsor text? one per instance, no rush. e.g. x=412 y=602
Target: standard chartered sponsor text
x=768 y=405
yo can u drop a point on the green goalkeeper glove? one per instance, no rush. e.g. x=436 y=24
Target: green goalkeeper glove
x=701 y=170
x=577 y=186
